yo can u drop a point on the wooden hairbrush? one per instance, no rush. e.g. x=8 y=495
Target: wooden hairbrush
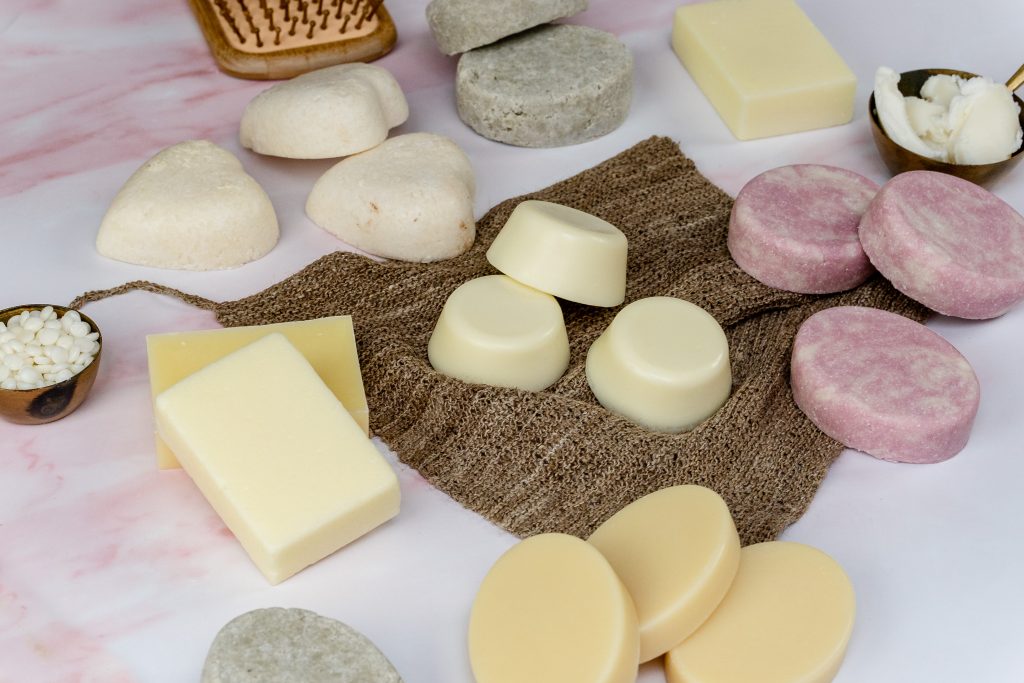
x=271 y=39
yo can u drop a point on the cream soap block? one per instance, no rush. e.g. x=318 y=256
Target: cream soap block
x=277 y=456
x=662 y=363
x=329 y=345
x=494 y=330
x=552 y=610
x=786 y=619
x=564 y=252
x=677 y=551
x=764 y=66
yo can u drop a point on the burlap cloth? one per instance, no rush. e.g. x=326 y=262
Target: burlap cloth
x=556 y=460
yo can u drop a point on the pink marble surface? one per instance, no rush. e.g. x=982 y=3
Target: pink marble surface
x=112 y=571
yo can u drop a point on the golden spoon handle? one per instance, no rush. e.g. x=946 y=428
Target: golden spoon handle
x=1016 y=80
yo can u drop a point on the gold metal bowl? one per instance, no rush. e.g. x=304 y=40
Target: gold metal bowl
x=899 y=159
x=46 y=404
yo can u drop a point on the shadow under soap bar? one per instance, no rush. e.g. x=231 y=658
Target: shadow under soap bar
x=764 y=66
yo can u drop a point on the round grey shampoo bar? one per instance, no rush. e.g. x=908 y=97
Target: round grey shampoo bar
x=547 y=87
x=461 y=25
x=277 y=645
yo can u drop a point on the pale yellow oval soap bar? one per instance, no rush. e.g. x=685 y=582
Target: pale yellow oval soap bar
x=786 y=619
x=563 y=251
x=552 y=610
x=677 y=551
x=494 y=330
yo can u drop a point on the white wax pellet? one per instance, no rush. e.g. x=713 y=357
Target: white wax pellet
x=41 y=360
x=63 y=375
x=45 y=368
x=14 y=362
x=16 y=345
x=79 y=329
x=9 y=383
x=23 y=317
x=26 y=385
x=5 y=372
x=47 y=313
x=29 y=375
x=84 y=345
x=33 y=324
x=48 y=336
x=92 y=336
x=73 y=354
x=25 y=336
x=71 y=317
x=66 y=341
x=85 y=361
x=5 y=349
x=33 y=349
x=57 y=354
x=6 y=336
x=52 y=324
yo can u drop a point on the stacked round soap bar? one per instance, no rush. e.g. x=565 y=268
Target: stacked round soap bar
x=507 y=330
x=38 y=349
x=663 y=575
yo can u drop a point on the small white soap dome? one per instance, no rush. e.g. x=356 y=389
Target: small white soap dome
x=323 y=114
x=190 y=207
x=410 y=198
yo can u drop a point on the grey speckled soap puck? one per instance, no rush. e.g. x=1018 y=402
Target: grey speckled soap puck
x=553 y=85
x=461 y=25
x=278 y=645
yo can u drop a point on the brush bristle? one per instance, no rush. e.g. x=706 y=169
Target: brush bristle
x=262 y=26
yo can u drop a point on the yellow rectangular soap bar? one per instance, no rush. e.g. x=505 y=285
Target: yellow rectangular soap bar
x=329 y=344
x=277 y=456
x=764 y=66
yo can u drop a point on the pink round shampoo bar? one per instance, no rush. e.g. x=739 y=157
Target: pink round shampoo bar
x=795 y=228
x=883 y=384
x=947 y=243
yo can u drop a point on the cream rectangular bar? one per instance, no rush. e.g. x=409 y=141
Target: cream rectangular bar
x=764 y=66
x=277 y=456
x=329 y=345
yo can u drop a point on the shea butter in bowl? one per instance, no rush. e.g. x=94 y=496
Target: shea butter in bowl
x=899 y=159
x=49 y=356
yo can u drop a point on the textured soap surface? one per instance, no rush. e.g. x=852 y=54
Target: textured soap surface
x=883 y=384
x=562 y=251
x=326 y=113
x=550 y=86
x=277 y=645
x=461 y=25
x=947 y=243
x=795 y=228
x=329 y=345
x=787 y=618
x=677 y=551
x=662 y=363
x=277 y=456
x=494 y=330
x=190 y=207
x=552 y=610
x=764 y=66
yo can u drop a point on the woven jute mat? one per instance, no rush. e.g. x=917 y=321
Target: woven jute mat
x=556 y=460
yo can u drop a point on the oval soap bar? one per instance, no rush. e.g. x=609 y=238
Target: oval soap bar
x=494 y=330
x=662 y=363
x=677 y=551
x=562 y=251
x=786 y=619
x=552 y=610
x=947 y=243
x=883 y=384
x=795 y=228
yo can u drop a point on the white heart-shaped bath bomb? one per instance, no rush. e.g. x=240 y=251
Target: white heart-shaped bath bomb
x=191 y=207
x=327 y=113
x=410 y=198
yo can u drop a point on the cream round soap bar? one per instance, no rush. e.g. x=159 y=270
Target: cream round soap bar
x=662 y=363
x=494 y=330
x=552 y=610
x=786 y=619
x=677 y=551
x=562 y=251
